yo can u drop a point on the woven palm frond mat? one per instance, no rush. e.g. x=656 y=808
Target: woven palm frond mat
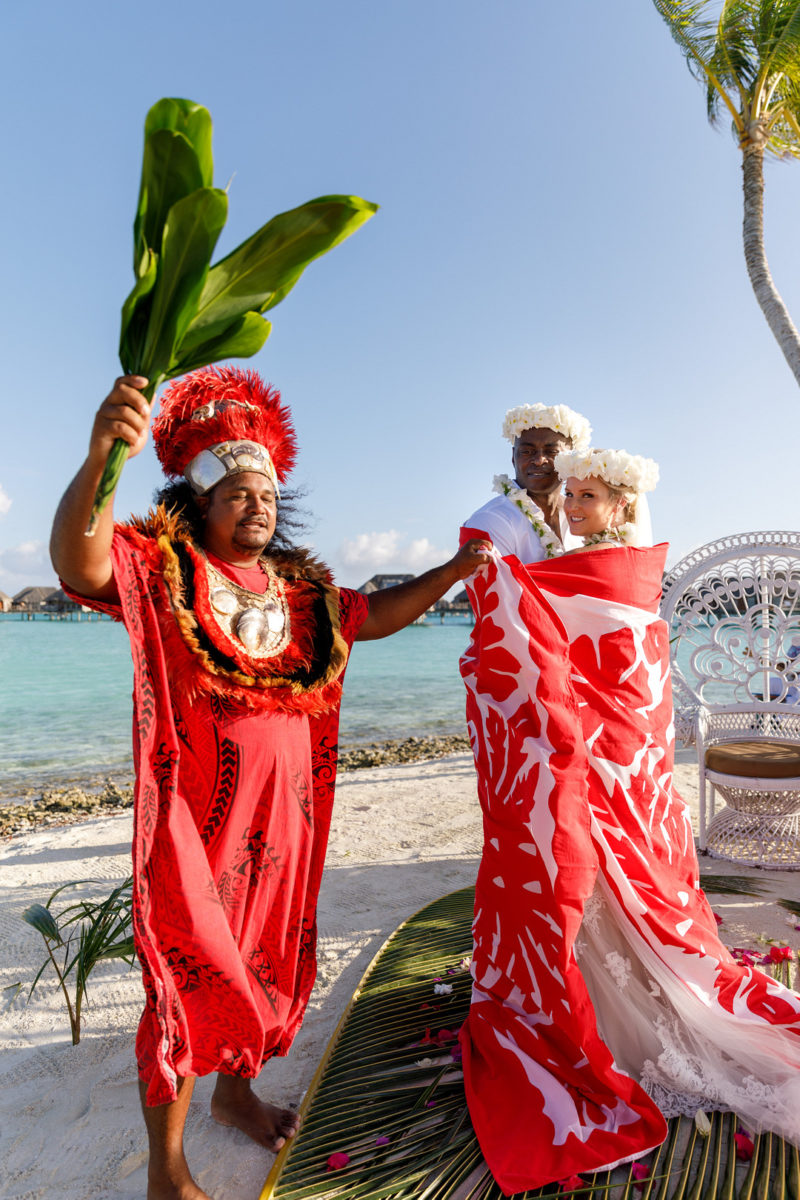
x=386 y=1116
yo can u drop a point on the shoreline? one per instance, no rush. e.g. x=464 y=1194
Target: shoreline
x=80 y=798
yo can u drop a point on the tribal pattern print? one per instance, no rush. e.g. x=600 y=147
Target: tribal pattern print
x=231 y=817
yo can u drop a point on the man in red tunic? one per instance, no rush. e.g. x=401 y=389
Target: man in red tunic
x=239 y=643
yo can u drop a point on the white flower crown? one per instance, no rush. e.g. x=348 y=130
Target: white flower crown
x=558 y=417
x=616 y=467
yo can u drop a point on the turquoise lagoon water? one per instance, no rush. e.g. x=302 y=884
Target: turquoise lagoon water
x=65 y=696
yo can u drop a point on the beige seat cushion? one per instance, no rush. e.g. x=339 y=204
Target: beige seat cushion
x=755 y=760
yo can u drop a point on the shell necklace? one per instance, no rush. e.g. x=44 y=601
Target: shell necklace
x=260 y=622
x=517 y=495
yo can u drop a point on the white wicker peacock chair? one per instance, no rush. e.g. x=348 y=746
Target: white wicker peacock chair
x=733 y=607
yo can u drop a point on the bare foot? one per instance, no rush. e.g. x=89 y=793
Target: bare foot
x=235 y=1103
x=168 y=1176
x=171 y=1185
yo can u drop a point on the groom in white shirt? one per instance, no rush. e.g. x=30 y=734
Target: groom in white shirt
x=526 y=517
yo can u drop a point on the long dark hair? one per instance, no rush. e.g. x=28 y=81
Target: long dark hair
x=178 y=497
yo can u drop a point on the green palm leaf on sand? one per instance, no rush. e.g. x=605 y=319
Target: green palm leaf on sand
x=389 y=1095
x=80 y=936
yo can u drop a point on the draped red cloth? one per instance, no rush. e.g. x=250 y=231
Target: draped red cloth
x=231 y=819
x=570 y=716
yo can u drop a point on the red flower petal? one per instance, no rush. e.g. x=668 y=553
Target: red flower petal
x=571 y=1184
x=338 y=1160
x=780 y=954
x=744 y=1146
x=640 y=1173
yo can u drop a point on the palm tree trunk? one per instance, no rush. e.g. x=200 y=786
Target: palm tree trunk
x=766 y=293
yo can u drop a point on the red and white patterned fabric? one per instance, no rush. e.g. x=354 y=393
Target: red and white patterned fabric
x=570 y=716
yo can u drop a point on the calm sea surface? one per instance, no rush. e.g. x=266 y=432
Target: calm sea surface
x=65 y=696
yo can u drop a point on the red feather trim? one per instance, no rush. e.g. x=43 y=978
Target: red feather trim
x=244 y=407
x=189 y=674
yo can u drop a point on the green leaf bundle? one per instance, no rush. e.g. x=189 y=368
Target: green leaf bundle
x=183 y=313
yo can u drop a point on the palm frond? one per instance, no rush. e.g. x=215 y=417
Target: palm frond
x=777 y=38
x=102 y=929
x=734 y=59
x=389 y=1095
x=696 y=33
x=731 y=885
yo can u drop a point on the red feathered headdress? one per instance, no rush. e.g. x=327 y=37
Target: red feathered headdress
x=214 y=406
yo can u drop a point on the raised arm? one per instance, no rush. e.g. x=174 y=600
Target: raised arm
x=84 y=563
x=393 y=608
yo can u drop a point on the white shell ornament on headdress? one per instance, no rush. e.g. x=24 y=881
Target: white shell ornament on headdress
x=212 y=465
x=558 y=417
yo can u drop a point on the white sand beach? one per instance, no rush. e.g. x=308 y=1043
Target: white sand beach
x=70 y=1125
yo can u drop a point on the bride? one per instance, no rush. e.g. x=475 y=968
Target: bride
x=603 y=1000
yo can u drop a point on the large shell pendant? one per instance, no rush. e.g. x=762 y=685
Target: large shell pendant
x=259 y=621
x=223 y=601
x=275 y=618
x=252 y=627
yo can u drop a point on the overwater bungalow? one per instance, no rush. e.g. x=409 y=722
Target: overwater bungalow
x=31 y=599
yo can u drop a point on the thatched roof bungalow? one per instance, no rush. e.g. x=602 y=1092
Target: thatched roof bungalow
x=58 y=601
x=31 y=599
x=378 y=582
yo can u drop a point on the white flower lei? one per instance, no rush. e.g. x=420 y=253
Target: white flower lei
x=517 y=495
x=558 y=417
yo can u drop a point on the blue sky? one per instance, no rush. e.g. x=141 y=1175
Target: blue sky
x=558 y=223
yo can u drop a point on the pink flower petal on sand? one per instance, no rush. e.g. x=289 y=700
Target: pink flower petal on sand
x=640 y=1173
x=744 y=1146
x=718 y=918
x=571 y=1184
x=338 y=1160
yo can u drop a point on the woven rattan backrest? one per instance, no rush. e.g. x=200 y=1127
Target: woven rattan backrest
x=733 y=607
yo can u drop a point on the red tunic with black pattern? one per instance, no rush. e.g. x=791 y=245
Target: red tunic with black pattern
x=235 y=761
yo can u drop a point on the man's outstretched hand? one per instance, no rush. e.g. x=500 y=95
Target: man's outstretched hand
x=473 y=554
